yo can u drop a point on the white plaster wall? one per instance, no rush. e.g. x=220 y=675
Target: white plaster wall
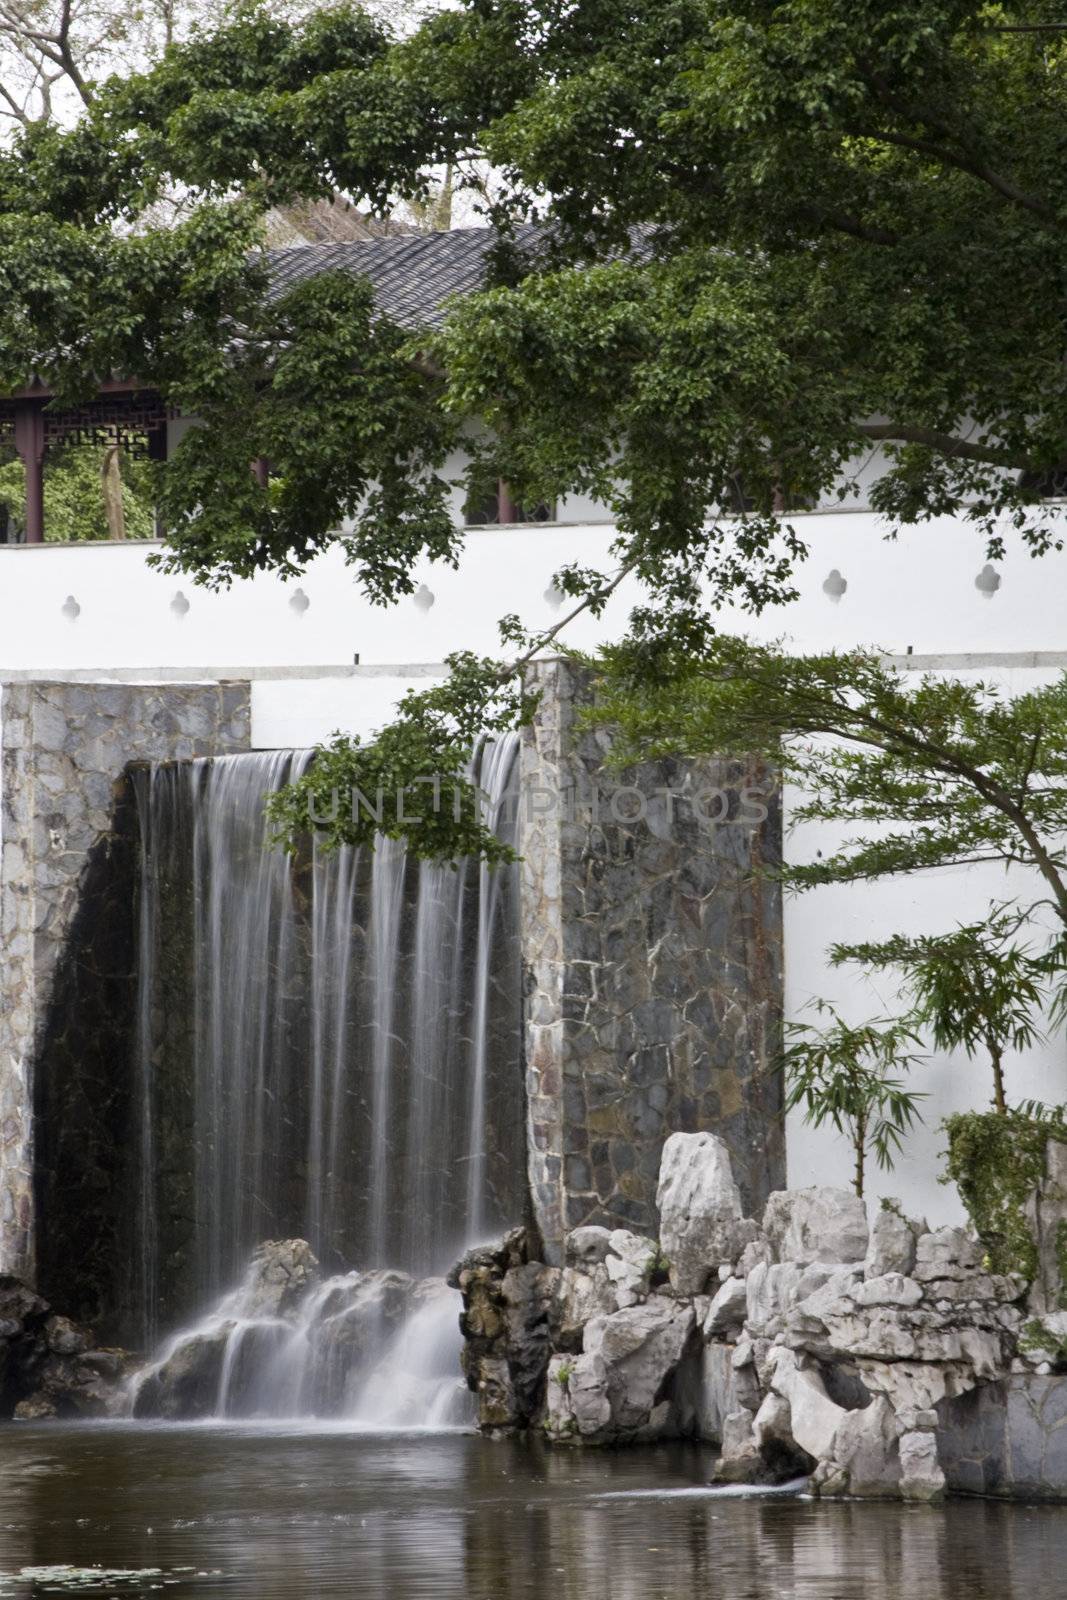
x=916 y=592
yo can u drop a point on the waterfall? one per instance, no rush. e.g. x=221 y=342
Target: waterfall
x=328 y=1049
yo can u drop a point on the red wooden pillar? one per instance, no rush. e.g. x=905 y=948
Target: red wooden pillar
x=29 y=443
x=261 y=471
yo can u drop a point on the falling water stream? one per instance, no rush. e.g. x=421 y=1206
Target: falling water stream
x=327 y=1050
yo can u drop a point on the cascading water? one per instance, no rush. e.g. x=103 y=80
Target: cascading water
x=327 y=1050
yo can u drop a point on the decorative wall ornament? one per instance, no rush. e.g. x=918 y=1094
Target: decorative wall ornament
x=554 y=596
x=179 y=606
x=834 y=585
x=988 y=581
x=71 y=609
x=424 y=598
x=298 y=602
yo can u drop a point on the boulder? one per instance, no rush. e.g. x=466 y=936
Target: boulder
x=586 y=1247
x=580 y=1296
x=891 y=1289
x=640 y=1348
x=185 y=1384
x=892 y=1242
x=630 y=1262
x=530 y=1295
x=279 y=1276
x=946 y=1253
x=497 y=1404
x=728 y=1309
x=816 y=1224
x=921 y=1477
x=1046 y=1213
x=702 y=1224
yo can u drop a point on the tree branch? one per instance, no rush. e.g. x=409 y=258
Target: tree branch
x=946 y=444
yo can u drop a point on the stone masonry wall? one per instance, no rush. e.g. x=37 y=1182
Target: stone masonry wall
x=653 y=969
x=65 y=747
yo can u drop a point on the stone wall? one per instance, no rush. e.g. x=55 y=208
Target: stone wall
x=63 y=819
x=1007 y=1438
x=653 y=968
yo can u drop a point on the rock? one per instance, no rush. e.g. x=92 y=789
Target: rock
x=740 y=1460
x=530 y=1295
x=510 y=1251
x=66 y=1338
x=38 y=1408
x=757 y=1252
x=891 y=1289
x=707 y=1387
x=497 y=1405
x=1046 y=1213
x=640 y=1347
x=728 y=1309
x=279 y=1276
x=186 y=1383
x=701 y=1220
x=586 y=1247
x=769 y=1293
x=866 y=1458
x=921 y=1477
x=814 y=1417
x=946 y=1253
x=892 y=1243
x=580 y=1296
x=630 y=1263
x=817 y=1224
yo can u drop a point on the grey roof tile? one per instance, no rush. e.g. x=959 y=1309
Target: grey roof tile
x=413 y=275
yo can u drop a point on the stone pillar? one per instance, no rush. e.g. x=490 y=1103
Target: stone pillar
x=652 y=957
x=64 y=749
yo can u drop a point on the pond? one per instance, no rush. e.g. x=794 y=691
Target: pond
x=257 y=1513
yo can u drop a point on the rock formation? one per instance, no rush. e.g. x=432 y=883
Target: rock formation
x=811 y=1341
x=50 y=1366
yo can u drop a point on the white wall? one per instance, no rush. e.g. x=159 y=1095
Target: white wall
x=917 y=592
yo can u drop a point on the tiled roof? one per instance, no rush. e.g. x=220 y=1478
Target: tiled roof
x=413 y=275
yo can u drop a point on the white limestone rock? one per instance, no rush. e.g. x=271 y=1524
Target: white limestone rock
x=586 y=1247
x=727 y=1311
x=946 y=1253
x=921 y=1477
x=770 y=1292
x=630 y=1262
x=816 y=1224
x=702 y=1224
x=892 y=1242
x=891 y=1289
x=640 y=1347
x=581 y=1295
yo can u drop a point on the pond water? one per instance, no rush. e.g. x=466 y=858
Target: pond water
x=276 y=1514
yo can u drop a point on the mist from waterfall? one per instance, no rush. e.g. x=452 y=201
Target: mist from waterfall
x=327 y=1049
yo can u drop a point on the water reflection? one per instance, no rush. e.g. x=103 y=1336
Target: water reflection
x=282 y=1515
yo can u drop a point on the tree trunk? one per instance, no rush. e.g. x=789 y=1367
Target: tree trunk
x=111 y=483
x=859 y=1140
x=999 y=1101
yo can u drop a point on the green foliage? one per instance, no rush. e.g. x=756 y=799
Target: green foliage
x=849 y=1078
x=972 y=988
x=995 y=1162
x=73 y=494
x=769 y=221
x=413 y=781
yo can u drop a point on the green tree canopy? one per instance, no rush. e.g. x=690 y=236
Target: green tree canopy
x=777 y=236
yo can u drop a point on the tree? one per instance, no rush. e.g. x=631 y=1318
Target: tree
x=849 y=1077
x=779 y=234
x=972 y=988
